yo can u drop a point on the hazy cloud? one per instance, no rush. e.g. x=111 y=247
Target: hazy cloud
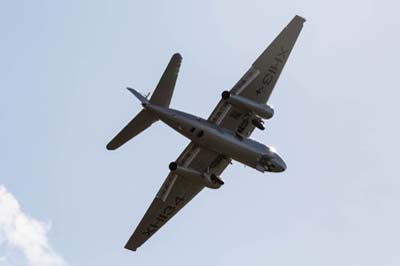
x=28 y=235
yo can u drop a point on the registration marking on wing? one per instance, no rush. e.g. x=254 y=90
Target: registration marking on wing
x=163 y=216
x=271 y=74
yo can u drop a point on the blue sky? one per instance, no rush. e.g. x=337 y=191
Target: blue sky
x=63 y=70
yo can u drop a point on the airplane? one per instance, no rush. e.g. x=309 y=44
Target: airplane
x=215 y=141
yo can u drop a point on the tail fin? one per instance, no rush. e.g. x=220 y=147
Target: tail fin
x=162 y=96
x=163 y=93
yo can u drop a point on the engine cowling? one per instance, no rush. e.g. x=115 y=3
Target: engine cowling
x=263 y=110
x=209 y=180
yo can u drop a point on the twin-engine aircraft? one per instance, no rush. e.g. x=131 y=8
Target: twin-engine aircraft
x=215 y=141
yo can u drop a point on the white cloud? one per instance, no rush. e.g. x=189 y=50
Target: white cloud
x=24 y=233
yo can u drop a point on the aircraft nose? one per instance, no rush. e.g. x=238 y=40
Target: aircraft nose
x=279 y=164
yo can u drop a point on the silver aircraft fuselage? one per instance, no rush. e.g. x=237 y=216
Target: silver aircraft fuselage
x=220 y=140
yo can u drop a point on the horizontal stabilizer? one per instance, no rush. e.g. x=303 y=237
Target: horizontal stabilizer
x=139 y=123
x=141 y=98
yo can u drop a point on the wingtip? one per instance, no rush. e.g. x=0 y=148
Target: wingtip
x=130 y=248
x=110 y=147
x=300 y=18
x=177 y=55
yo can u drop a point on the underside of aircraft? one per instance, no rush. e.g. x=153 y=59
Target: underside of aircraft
x=215 y=141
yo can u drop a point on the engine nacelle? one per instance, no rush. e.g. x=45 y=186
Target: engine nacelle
x=263 y=110
x=209 y=180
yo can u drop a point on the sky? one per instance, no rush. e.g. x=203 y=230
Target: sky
x=67 y=201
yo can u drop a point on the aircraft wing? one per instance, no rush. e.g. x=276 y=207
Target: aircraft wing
x=176 y=192
x=259 y=81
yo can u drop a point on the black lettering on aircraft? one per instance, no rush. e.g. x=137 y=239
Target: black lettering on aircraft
x=273 y=69
x=154 y=226
x=178 y=200
x=169 y=210
x=284 y=53
x=267 y=79
x=163 y=217
x=149 y=231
